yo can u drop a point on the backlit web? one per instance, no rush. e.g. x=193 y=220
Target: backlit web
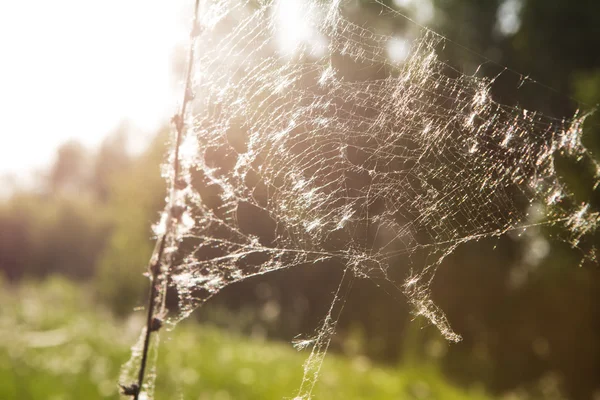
x=315 y=140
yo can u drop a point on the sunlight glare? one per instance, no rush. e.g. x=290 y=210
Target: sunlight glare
x=77 y=70
x=294 y=28
x=398 y=49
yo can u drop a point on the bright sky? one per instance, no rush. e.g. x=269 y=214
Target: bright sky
x=78 y=68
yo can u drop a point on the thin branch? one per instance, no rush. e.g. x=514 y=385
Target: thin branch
x=156 y=266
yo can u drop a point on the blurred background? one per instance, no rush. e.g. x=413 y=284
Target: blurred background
x=85 y=94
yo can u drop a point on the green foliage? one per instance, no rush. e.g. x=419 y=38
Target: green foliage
x=75 y=352
x=586 y=87
x=53 y=347
x=136 y=196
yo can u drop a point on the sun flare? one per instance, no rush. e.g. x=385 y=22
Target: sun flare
x=76 y=70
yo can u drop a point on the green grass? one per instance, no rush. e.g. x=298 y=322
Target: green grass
x=55 y=344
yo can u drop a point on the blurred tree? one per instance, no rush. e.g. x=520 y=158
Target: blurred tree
x=70 y=172
x=112 y=160
x=15 y=240
x=40 y=236
x=136 y=197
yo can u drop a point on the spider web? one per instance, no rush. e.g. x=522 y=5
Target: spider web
x=309 y=144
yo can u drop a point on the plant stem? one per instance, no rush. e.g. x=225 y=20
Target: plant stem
x=156 y=261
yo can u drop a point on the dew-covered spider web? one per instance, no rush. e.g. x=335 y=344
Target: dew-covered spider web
x=309 y=142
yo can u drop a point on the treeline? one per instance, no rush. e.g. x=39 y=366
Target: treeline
x=89 y=218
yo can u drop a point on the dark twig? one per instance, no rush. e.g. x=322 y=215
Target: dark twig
x=173 y=212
